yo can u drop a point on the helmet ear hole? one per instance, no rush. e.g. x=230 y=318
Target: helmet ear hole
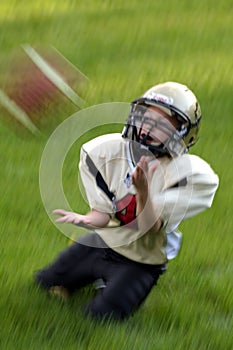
x=191 y=140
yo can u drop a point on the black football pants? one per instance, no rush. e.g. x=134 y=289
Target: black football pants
x=127 y=282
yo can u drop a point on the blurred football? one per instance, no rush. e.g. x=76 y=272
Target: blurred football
x=39 y=85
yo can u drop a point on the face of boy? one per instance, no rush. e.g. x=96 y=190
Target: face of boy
x=158 y=124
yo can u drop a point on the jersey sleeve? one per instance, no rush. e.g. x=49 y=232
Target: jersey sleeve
x=188 y=197
x=184 y=202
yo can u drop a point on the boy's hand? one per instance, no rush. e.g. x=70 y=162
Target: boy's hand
x=143 y=173
x=148 y=218
x=71 y=217
x=91 y=220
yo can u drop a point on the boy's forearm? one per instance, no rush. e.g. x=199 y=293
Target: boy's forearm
x=97 y=218
x=148 y=217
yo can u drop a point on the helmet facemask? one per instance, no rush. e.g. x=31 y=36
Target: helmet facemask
x=155 y=132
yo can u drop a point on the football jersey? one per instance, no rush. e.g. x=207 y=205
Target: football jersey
x=180 y=188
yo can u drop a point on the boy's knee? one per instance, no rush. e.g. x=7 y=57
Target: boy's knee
x=44 y=279
x=103 y=309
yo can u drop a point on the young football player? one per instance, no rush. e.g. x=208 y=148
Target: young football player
x=140 y=185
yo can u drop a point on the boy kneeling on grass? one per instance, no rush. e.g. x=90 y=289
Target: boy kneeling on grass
x=140 y=185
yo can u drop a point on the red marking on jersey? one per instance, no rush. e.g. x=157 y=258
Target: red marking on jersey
x=126 y=210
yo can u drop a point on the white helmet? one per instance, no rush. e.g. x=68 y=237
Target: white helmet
x=178 y=102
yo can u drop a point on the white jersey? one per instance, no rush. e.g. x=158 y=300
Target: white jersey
x=180 y=188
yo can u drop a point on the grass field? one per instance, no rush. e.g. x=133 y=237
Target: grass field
x=124 y=48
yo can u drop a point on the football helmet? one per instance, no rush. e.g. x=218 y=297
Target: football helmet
x=178 y=102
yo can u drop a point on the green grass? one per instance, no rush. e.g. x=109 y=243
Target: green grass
x=124 y=48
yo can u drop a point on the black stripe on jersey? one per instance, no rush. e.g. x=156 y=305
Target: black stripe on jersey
x=181 y=183
x=99 y=178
